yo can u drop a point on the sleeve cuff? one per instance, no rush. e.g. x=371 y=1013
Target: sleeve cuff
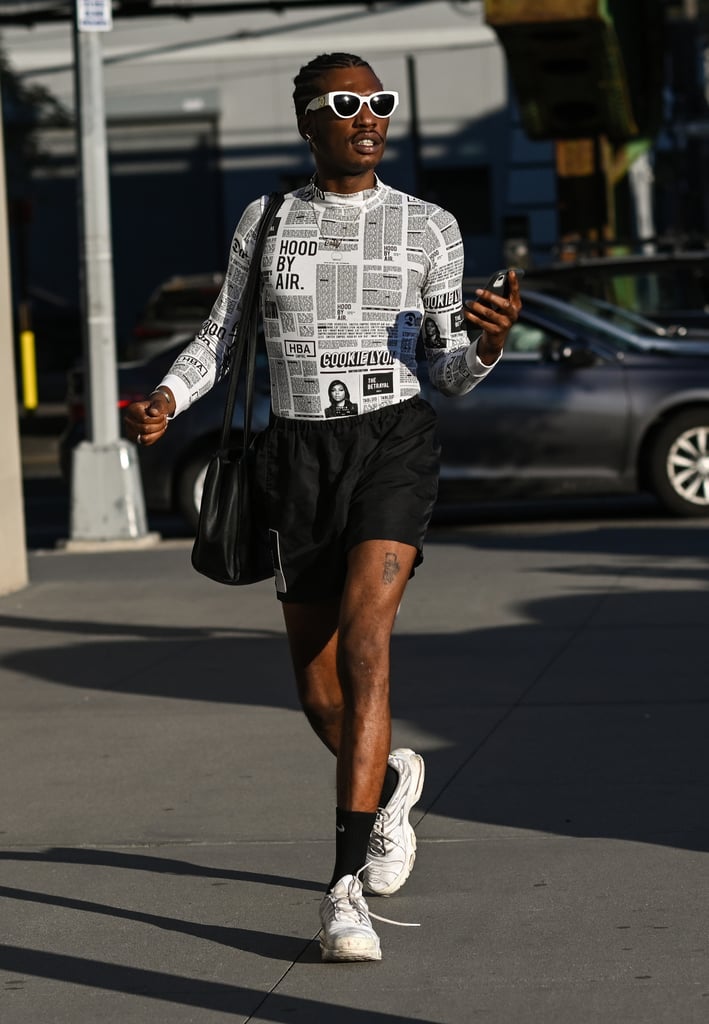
x=180 y=392
x=475 y=364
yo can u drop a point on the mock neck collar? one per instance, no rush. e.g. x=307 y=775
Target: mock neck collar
x=313 y=191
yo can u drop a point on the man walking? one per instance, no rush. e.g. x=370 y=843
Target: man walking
x=353 y=273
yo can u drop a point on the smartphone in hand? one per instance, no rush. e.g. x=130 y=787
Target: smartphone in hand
x=499 y=284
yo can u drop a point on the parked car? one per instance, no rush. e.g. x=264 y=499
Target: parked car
x=172 y=471
x=172 y=315
x=670 y=288
x=578 y=405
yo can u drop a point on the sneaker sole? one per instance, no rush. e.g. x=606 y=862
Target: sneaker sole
x=410 y=835
x=345 y=956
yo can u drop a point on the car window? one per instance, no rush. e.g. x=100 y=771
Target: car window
x=580 y=323
x=525 y=339
x=626 y=319
x=662 y=290
x=658 y=289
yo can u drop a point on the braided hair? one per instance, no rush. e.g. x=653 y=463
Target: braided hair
x=306 y=87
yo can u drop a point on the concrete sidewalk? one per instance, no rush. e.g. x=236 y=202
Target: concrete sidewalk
x=167 y=815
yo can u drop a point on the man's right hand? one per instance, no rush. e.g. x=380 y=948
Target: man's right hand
x=147 y=421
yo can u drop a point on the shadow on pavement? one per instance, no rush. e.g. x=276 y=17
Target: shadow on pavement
x=159 y=865
x=267 y=944
x=171 y=988
x=582 y=714
x=604 y=726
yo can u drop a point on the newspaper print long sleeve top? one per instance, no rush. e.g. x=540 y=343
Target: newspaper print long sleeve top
x=348 y=285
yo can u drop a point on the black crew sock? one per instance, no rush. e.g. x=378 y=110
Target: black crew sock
x=391 y=781
x=351 y=841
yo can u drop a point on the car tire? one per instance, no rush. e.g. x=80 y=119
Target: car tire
x=679 y=463
x=189 y=487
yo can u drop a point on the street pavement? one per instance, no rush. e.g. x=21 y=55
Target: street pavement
x=167 y=816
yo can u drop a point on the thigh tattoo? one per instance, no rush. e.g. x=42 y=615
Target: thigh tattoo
x=391 y=567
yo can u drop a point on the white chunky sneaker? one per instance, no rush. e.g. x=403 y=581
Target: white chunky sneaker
x=392 y=845
x=347 y=933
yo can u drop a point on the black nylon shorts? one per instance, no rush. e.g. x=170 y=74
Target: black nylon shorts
x=328 y=485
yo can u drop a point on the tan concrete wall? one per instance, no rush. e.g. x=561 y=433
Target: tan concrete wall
x=13 y=553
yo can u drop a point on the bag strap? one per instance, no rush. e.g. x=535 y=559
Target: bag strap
x=246 y=332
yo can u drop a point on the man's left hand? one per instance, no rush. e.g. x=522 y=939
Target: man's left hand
x=494 y=323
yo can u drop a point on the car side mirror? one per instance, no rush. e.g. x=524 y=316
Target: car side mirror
x=574 y=353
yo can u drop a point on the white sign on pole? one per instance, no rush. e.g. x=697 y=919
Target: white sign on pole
x=94 y=15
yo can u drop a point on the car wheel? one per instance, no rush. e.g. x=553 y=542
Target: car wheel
x=679 y=463
x=189 y=488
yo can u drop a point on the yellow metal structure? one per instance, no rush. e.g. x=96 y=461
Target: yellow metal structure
x=582 y=68
x=510 y=12
x=28 y=362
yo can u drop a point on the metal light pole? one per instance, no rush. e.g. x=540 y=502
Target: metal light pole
x=106 y=492
x=13 y=553
x=414 y=124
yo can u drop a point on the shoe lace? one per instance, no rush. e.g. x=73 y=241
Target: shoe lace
x=386 y=920
x=347 y=904
x=377 y=838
